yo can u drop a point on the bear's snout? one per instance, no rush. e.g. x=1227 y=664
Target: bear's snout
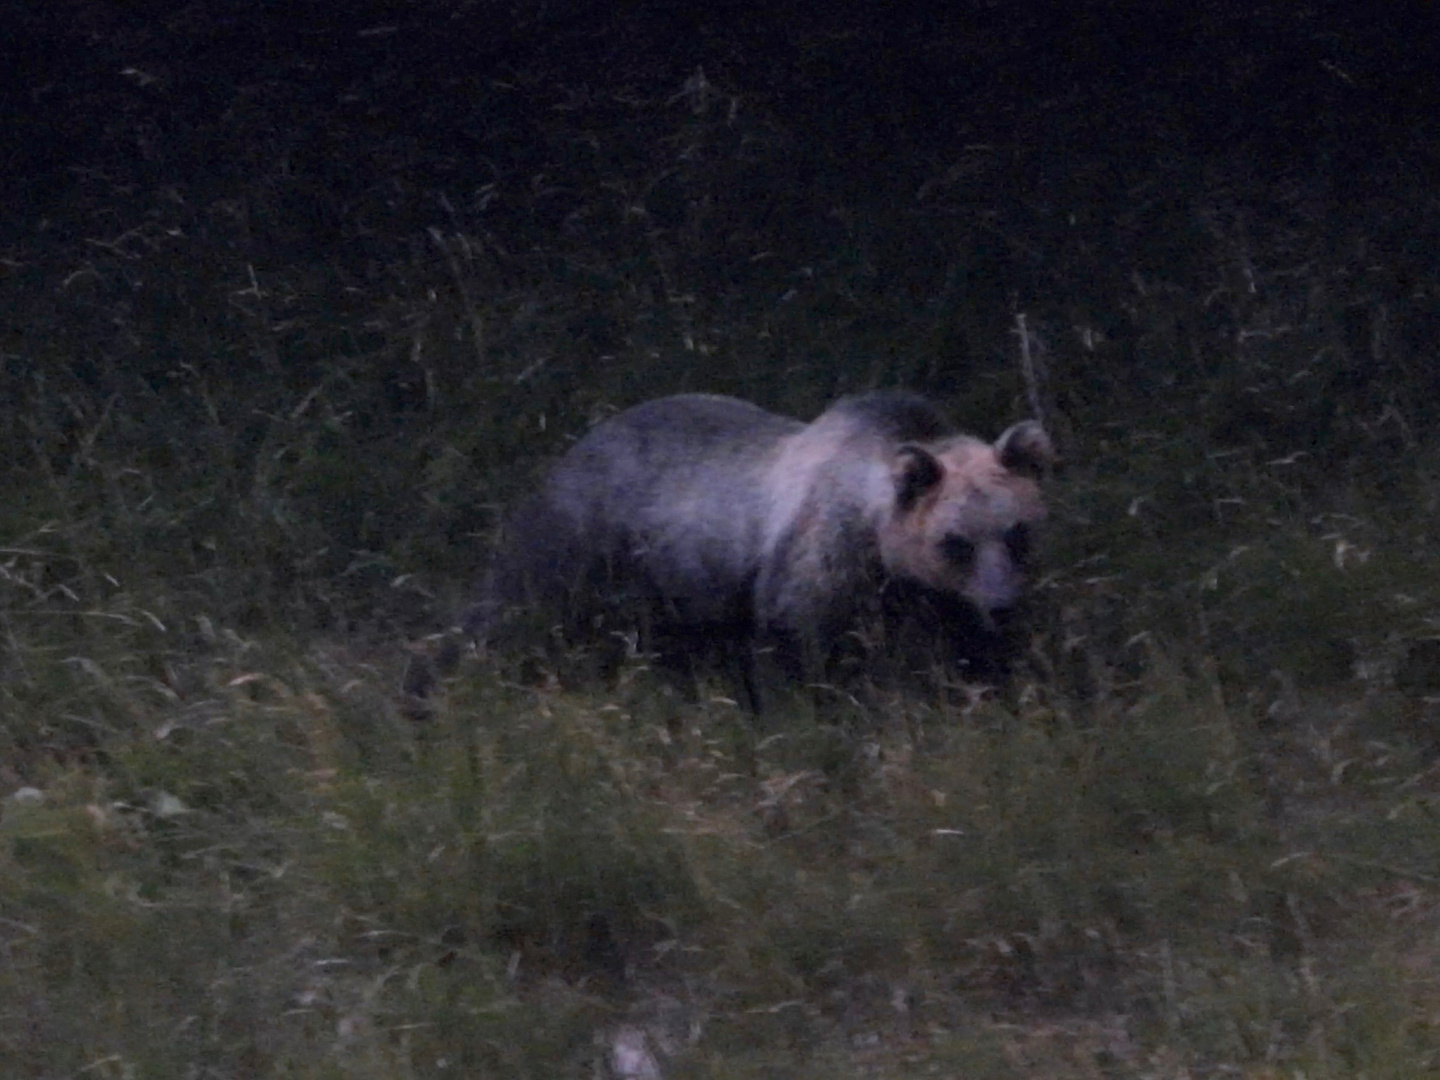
x=995 y=582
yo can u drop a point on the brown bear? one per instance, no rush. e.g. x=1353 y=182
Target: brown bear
x=706 y=520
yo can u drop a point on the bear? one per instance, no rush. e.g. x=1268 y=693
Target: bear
x=700 y=521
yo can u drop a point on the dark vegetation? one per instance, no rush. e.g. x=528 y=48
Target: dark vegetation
x=295 y=299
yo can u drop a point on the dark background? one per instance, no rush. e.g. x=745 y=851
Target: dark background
x=296 y=298
x=303 y=294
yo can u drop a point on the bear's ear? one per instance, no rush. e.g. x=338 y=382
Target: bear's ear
x=916 y=471
x=1026 y=449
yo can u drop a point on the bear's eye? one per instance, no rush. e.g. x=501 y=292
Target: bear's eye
x=1017 y=542
x=958 y=551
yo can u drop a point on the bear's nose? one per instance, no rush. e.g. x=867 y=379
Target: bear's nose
x=995 y=583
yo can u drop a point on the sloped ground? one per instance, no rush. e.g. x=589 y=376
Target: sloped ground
x=294 y=303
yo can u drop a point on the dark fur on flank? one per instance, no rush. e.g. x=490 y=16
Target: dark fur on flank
x=705 y=520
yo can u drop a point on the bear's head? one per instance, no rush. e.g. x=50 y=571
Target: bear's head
x=963 y=513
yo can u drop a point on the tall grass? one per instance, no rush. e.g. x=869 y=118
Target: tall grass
x=260 y=422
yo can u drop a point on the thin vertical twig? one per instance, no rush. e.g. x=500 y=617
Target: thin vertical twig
x=1030 y=345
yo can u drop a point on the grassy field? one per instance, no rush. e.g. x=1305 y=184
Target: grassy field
x=292 y=310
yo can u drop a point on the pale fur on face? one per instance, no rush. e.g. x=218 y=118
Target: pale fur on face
x=977 y=500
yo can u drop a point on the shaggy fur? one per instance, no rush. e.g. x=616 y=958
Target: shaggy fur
x=713 y=519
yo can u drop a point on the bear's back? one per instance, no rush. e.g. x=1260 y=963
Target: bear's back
x=894 y=416
x=668 y=493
